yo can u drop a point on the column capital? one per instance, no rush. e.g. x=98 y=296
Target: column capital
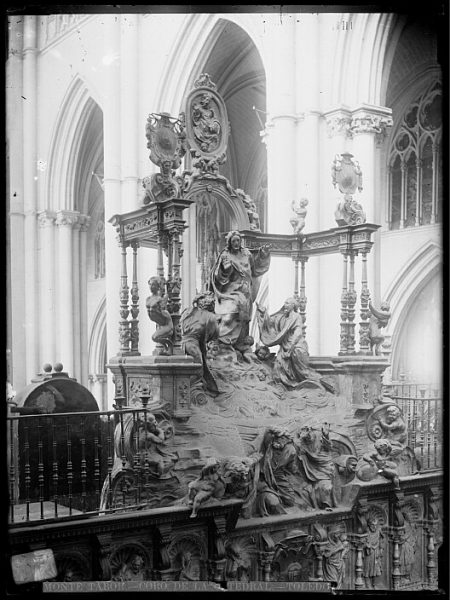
x=371 y=119
x=46 y=218
x=365 y=118
x=67 y=218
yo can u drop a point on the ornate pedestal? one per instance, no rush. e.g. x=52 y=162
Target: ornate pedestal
x=165 y=380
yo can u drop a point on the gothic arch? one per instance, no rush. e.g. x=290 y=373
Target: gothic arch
x=416 y=274
x=71 y=123
x=366 y=44
x=97 y=340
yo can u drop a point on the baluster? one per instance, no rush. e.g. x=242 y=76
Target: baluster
x=69 y=464
x=144 y=400
x=431 y=562
x=136 y=466
x=110 y=458
x=97 y=463
x=12 y=471
x=160 y=264
x=83 y=463
x=124 y=325
x=344 y=299
x=320 y=566
x=40 y=468
x=27 y=470
x=303 y=300
x=364 y=342
x=359 y=581
x=351 y=301
x=429 y=433
x=135 y=304
x=396 y=574
x=122 y=447
x=55 y=467
x=296 y=295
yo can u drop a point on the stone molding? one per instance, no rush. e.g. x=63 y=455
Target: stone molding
x=67 y=218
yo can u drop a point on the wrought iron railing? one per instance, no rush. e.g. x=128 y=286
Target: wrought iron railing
x=65 y=465
x=422 y=408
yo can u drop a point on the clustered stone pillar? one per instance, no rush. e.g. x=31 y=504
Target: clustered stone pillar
x=29 y=191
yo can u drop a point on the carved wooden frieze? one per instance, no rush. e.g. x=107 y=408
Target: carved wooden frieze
x=137 y=387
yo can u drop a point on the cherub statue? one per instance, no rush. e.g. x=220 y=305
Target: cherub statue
x=157 y=311
x=209 y=485
x=378 y=320
x=381 y=459
x=299 y=208
x=393 y=425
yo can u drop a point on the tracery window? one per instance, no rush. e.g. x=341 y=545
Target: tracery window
x=415 y=164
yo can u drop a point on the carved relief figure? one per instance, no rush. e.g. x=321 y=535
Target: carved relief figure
x=317 y=466
x=235 y=281
x=157 y=311
x=378 y=320
x=285 y=328
x=199 y=327
x=373 y=553
x=277 y=488
x=380 y=462
x=408 y=550
x=299 y=208
x=133 y=570
x=238 y=560
x=207 y=128
x=334 y=556
x=209 y=485
x=152 y=448
x=392 y=425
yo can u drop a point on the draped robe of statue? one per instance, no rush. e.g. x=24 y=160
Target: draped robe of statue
x=292 y=361
x=235 y=289
x=199 y=327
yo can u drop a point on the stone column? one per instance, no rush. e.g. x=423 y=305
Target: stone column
x=84 y=343
x=15 y=190
x=76 y=300
x=308 y=168
x=65 y=330
x=29 y=91
x=46 y=220
x=112 y=183
x=132 y=136
x=280 y=138
x=98 y=389
x=369 y=128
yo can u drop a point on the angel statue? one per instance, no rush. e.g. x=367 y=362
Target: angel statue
x=299 y=208
x=379 y=319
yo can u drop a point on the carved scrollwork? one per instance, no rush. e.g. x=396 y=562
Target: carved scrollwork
x=207 y=126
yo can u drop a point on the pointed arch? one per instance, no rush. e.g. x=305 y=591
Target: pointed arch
x=365 y=44
x=97 y=340
x=70 y=125
x=416 y=274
